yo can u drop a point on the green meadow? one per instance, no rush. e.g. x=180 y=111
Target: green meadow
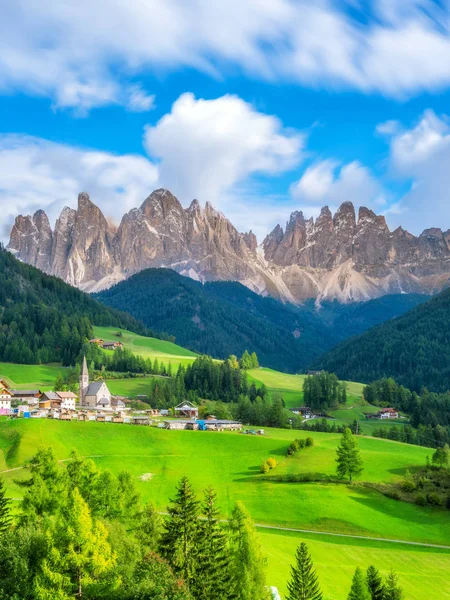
x=230 y=463
x=30 y=376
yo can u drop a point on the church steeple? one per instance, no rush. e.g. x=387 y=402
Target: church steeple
x=84 y=381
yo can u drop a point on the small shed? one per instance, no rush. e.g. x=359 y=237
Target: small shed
x=186 y=409
x=140 y=420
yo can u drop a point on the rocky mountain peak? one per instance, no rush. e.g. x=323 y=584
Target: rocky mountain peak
x=334 y=256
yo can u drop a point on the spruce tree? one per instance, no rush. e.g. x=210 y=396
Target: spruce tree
x=392 y=590
x=349 y=461
x=5 y=519
x=359 y=589
x=214 y=575
x=375 y=583
x=180 y=534
x=249 y=562
x=304 y=584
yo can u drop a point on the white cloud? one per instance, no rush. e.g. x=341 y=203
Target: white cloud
x=36 y=173
x=326 y=183
x=82 y=54
x=206 y=147
x=422 y=155
x=139 y=100
x=388 y=127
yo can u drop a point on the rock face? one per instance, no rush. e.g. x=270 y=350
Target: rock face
x=339 y=256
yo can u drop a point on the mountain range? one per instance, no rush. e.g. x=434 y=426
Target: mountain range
x=344 y=257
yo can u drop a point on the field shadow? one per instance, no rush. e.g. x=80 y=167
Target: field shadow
x=404 y=470
x=371 y=500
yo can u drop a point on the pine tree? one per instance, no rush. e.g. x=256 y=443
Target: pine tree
x=392 y=590
x=359 y=589
x=304 y=584
x=375 y=584
x=149 y=528
x=349 y=461
x=214 y=575
x=249 y=562
x=5 y=519
x=180 y=534
x=80 y=559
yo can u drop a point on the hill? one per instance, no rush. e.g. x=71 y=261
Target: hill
x=223 y=318
x=230 y=463
x=414 y=349
x=43 y=319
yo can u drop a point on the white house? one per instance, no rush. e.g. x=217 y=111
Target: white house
x=68 y=400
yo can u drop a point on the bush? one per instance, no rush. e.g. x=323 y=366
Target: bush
x=420 y=499
x=309 y=441
x=264 y=468
x=408 y=485
x=272 y=463
x=435 y=499
x=393 y=494
x=301 y=443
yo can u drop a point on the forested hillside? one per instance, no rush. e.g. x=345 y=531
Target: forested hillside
x=223 y=318
x=414 y=349
x=42 y=319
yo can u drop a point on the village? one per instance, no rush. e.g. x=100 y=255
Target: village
x=96 y=403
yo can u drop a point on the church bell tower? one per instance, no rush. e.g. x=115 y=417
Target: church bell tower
x=84 y=381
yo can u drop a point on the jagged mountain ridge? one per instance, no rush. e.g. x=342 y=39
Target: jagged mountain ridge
x=338 y=257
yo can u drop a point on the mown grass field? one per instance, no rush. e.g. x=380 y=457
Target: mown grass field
x=165 y=352
x=230 y=463
x=30 y=376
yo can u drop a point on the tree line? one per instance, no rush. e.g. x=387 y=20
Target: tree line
x=324 y=391
x=44 y=320
x=429 y=412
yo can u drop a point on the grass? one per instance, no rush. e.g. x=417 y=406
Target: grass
x=335 y=559
x=230 y=463
x=165 y=352
x=30 y=376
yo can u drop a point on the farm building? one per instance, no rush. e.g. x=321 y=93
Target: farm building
x=140 y=420
x=303 y=411
x=97 y=341
x=112 y=345
x=31 y=397
x=207 y=425
x=186 y=409
x=387 y=413
x=117 y=403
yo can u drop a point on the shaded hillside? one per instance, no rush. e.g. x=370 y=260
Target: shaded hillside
x=223 y=318
x=43 y=319
x=414 y=349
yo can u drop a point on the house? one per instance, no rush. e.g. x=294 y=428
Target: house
x=186 y=409
x=5 y=399
x=95 y=395
x=68 y=400
x=303 y=411
x=387 y=413
x=152 y=412
x=97 y=341
x=112 y=345
x=118 y=404
x=31 y=397
x=49 y=400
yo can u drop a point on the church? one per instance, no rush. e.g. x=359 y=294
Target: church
x=94 y=395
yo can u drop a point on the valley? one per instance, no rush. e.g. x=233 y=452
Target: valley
x=230 y=463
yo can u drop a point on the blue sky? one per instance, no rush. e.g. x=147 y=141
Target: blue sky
x=260 y=107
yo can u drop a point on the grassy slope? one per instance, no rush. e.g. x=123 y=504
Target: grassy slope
x=235 y=475
x=30 y=376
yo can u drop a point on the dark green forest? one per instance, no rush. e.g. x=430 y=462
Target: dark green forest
x=414 y=349
x=223 y=318
x=44 y=320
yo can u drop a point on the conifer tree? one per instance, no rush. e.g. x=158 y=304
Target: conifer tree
x=5 y=519
x=349 y=461
x=304 y=584
x=80 y=560
x=180 y=534
x=392 y=590
x=375 y=583
x=249 y=562
x=214 y=576
x=149 y=527
x=359 y=589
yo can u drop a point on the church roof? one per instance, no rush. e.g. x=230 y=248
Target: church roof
x=94 y=388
